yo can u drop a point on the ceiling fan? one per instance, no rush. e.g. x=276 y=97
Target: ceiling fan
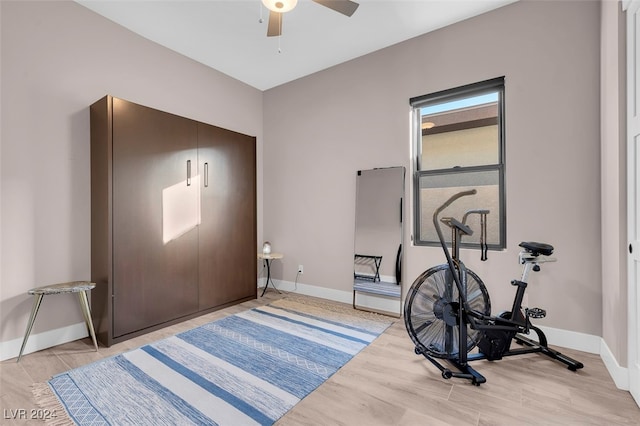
x=278 y=7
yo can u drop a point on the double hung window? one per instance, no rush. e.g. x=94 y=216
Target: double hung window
x=459 y=145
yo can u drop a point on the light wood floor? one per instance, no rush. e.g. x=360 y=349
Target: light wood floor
x=387 y=384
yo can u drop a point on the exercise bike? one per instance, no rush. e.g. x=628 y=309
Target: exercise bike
x=447 y=311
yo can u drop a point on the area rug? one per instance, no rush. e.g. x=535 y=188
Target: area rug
x=244 y=369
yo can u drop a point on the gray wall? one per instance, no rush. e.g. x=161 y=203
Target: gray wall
x=613 y=172
x=322 y=128
x=57 y=59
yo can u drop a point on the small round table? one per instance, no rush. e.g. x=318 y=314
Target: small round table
x=267 y=258
x=80 y=287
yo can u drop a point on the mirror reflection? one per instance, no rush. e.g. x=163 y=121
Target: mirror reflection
x=378 y=233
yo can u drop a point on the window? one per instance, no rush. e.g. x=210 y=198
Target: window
x=459 y=145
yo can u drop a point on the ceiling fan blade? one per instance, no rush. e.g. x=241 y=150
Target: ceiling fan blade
x=346 y=7
x=275 y=24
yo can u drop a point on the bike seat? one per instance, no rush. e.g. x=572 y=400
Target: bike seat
x=537 y=249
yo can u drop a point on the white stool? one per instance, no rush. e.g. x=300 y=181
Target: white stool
x=80 y=287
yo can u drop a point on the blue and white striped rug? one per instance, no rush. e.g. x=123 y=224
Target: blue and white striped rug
x=248 y=368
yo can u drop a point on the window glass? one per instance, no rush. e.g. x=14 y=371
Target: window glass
x=435 y=189
x=459 y=145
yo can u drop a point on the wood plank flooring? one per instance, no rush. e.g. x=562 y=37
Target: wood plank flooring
x=386 y=384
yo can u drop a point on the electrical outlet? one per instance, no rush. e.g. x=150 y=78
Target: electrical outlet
x=301 y=269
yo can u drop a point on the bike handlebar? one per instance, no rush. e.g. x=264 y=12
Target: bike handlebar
x=450 y=201
x=444 y=206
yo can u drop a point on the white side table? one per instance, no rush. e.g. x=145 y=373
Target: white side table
x=267 y=258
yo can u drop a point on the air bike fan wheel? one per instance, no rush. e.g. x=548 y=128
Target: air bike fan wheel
x=431 y=309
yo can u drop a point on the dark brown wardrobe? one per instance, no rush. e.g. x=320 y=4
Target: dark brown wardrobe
x=173 y=218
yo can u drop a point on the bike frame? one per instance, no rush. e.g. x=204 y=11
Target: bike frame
x=516 y=324
x=458 y=272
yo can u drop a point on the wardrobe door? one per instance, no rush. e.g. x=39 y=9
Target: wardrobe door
x=155 y=217
x=227 y=237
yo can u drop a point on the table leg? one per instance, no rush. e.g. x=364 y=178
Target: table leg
x=268 y=277
x=268 y=261
x=32 y=319
x=84 y=305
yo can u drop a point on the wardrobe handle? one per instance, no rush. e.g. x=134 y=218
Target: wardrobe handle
x=188 y=172
x=206 y=175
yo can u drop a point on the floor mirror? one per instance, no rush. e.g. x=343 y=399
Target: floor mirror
x=378 y=240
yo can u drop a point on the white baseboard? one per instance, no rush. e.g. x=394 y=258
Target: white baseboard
x=590 y=344
x=379 y=303
x=556 y=337
x=308 y=290
x=46 y=339
x=620 y=375
x=572 y=339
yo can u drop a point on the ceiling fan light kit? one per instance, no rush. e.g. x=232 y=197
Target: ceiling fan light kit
x=280 y=6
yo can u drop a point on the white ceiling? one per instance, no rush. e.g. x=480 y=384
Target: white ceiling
x=228 y=35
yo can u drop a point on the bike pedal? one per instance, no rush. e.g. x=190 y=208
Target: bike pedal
x=535 y=312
